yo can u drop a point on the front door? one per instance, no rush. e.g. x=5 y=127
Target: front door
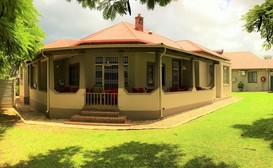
x=107 y=72
x=110 y=76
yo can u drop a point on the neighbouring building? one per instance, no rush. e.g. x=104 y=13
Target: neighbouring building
x=126 y=67
x=255 y=73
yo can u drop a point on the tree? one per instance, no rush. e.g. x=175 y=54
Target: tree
x=260 y=19
x=111 y=8
x=20 y=36
x=266 y=57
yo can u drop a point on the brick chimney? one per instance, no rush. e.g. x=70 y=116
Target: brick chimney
x=139 y=22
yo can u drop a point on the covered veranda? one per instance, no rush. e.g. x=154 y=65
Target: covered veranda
x=156 y=80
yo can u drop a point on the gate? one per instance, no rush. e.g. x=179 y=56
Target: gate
x=7 y=95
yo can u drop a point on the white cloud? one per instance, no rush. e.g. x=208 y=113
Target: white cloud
x=214 y=24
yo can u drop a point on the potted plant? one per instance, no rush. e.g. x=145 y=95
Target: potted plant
x=241 y=86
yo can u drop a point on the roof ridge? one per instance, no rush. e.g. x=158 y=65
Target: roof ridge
x=204 y=49
x=129 y=28
x=54 y=41
x=99 y=32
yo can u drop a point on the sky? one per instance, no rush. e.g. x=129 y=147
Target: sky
x=214 y=24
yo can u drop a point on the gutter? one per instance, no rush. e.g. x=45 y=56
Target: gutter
x=48 y=82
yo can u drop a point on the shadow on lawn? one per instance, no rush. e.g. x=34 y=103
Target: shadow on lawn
x=54 y=158
x=206 y=162
x=131 y=154
x=7 y=121
x=262 y=129
x=136 y=154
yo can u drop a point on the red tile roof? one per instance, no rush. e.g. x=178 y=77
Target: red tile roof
x=125 y=33
x=191 y=46
x=246 y=60
x=61 y=43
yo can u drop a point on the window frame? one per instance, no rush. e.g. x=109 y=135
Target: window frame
x=253 y=79
x=179 y=73
x=152 y=65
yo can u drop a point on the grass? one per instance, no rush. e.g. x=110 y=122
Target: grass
x=240 y=135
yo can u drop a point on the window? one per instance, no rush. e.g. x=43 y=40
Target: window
x=125 y=69
x=98 y=74
x=106 y=71
x=74 y=74
x=225 y=74
x=150 y=74
x=176 y=73
x=252 y=77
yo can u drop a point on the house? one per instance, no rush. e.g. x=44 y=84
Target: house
x=125 y=67
x=254 y=72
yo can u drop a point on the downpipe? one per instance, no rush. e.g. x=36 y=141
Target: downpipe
x=48 y=83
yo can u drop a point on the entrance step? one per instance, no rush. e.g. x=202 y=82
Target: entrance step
x=98 y=124
x=98 y=119
x=99 y=113
x=101 y=108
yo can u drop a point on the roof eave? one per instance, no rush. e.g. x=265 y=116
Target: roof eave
x=154 y=47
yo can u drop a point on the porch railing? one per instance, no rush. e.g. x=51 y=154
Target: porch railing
x=101 y=99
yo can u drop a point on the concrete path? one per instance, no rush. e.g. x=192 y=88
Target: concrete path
x=168 y=122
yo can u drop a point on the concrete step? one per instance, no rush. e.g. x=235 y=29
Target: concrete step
x=101 y=108
x=98 y=124
x=99 y=113
x=95 y=119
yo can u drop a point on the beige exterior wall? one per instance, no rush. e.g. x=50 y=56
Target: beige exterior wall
x=223 y=90
x=238 y=76
x=139 y=106
x=67 y=100
x=38 y=99
x=181 y=101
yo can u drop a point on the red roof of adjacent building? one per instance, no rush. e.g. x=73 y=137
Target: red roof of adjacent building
x=246 y=60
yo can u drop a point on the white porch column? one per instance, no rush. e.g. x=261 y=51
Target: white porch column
x=51 y=73
x=120 y=71
x=158 y=79
x=24 y=84
x=193 y=73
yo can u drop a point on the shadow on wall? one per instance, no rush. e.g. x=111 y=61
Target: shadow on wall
x=262 y=129
x=131 y=154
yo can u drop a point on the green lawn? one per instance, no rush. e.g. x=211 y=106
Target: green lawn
x=240 y=135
